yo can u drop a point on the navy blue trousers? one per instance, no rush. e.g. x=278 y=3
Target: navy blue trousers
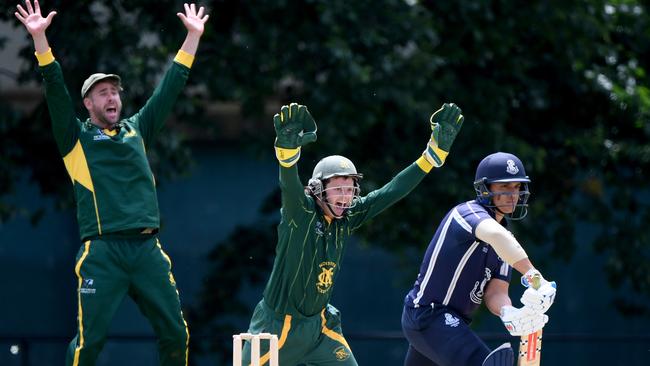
x=440 y=337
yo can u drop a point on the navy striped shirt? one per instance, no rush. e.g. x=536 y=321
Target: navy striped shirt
x=457 y=266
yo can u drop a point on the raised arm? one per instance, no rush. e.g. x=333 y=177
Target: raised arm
x=65 y=124
x=194 y=21
x=445 y=124
x=294 y=127
x=152 y=116
x=35 y=24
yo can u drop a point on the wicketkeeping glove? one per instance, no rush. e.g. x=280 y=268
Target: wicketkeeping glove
x=445 y=125
x=522 y=321
x=294 y=127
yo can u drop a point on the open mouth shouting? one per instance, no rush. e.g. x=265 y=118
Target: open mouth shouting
x=112 y=114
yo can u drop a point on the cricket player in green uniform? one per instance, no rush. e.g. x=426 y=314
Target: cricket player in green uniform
x=316 y=222
x=117 y=208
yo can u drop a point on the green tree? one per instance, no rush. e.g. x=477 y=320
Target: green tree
x=149 y=34
x=563 y=84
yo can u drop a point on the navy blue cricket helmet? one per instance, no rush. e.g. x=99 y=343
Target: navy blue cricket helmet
x=502 y=167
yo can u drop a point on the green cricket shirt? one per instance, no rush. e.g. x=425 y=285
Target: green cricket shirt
x=309 y=250
x=114 y=186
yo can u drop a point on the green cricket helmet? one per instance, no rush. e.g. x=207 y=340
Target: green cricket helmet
x=330 y=167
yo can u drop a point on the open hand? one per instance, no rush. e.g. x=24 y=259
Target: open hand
x=32 y=18
x=194 y=21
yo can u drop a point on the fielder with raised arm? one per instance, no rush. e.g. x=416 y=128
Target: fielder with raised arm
x=316 y=222
x=467 y=262
x=117 y=207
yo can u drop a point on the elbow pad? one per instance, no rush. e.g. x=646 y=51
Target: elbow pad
x=502 y=240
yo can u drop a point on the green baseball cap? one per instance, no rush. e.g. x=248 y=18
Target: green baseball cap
x=97 y=77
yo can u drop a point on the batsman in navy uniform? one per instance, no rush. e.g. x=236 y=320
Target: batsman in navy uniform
x=117 y=207
x=468 y=262
x=316 y=222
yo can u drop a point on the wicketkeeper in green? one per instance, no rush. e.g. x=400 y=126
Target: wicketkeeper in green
x=316 y=222
x=114 y=187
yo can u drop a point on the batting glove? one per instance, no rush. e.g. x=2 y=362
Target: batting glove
x=522 y=321
x=294 y=128
x=540 y=294
x=445 y=125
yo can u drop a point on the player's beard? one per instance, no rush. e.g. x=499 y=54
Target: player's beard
x=108 y=119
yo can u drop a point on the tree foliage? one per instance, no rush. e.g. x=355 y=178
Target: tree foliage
x=86 y=37
x=562 y=84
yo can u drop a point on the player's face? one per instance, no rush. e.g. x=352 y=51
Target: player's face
x=339 y=192
x=506 y=196
x=104 y=104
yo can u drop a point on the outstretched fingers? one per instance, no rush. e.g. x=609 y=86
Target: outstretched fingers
x=285 y=113
x=31 y=17
x=192 y=19
x=51 y=15
x=21 y=14
x=29 y=6
x=191 y=11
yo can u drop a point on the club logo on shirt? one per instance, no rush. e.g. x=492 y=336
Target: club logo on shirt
x=87 y=286
x=512 y=167
x=341 y=353
x=476 y=295
x=451 y=320
x=325 y=278
x=101 y=136
x=318 y=228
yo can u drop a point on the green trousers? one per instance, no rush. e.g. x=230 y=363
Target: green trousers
x=312 y=341
x=107 y=270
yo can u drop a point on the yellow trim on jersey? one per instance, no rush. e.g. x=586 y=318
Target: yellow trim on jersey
x=187 y=339
x=332 y=334
x=77 y=167
x=287 y=157
x=99 y=224
x=172 y=281
x=44 y=58
x=283 y=338
x=184 y=58
x=77 y=270
x=424 y=164
x=109 y=132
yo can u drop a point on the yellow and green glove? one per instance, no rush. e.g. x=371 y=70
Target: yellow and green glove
x=294 y=128
x=445 y=125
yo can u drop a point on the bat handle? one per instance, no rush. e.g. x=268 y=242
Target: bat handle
x=534 y=281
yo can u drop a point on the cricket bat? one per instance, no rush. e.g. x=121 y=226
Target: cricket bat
x=530 y=346
x=530 y=349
